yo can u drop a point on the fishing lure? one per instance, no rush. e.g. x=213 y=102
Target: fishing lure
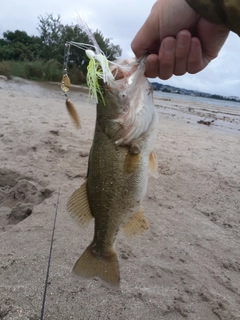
x=65 y=86
x=98 y=69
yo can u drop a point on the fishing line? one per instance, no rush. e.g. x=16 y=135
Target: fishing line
x=65 y=84
x=49 y=258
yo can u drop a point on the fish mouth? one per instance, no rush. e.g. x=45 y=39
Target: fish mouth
x=130 y=101
x=127 y=72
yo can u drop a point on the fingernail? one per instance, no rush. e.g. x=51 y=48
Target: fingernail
x=168 y=46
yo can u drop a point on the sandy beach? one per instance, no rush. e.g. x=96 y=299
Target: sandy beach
x=187 y=266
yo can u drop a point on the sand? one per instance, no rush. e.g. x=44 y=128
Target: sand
x=187 y=266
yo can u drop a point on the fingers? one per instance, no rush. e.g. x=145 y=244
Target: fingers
x=167 y=58
x=176 y=57
x=172 y=57
x=148 y=38
x=195 y=61
x=162 y=65
x=212 y=37
x=152 y=66
x=183 y=46
x=142 y=42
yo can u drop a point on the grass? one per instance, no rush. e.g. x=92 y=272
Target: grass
x=5 y=70
x=39 y=70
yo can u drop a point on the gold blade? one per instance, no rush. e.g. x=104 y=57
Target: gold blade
x=73 y=113
x=65 y=83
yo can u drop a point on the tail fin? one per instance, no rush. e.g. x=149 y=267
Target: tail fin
x=105 y=266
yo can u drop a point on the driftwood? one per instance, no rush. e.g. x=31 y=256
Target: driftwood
x=207 y=123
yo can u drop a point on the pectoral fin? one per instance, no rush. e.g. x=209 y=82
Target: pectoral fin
x=137 y=224
x=78 y=205
x=153 y=164
x=132 y=159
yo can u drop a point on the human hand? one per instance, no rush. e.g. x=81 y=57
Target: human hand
x=167 y=36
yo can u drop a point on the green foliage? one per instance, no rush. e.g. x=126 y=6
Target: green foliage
x=77 y=56
x=17 y=68
x=34 y=70
x=54 y=35
x=50 y=36
x=76 y=75
x=17 y=36
x=111 y=51
x=43 y=57
x=18 y=45
x=5 y=69
x=52 y=70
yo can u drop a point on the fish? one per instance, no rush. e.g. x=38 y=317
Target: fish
x=121 y=158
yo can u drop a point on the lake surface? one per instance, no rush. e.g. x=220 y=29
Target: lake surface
x=182 y=97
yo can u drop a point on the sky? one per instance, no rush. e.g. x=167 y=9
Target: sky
x=120 y=20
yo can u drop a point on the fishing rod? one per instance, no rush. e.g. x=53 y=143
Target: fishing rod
x=49 y=259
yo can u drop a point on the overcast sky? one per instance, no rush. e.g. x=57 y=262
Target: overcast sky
x=120 y=20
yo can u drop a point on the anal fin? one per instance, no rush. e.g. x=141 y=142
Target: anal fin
x=137 y=224
x=105 y=266
x=78 y=205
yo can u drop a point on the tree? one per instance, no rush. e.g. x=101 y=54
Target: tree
x=17 y=36
x=54 y=35
x=18 y=45
x=49 y=47
x=111 y=51
x=50 y=30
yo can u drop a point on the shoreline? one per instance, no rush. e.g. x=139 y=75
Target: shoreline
x=225 y=118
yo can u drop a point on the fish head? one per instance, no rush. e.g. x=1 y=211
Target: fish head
x=128 y=100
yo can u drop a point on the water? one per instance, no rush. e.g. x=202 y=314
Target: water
x=209 y=101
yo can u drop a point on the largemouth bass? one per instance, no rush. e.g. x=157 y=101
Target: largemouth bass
x=121 y=157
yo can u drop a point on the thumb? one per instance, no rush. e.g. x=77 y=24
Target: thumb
x=146 y=40
x=212 y=37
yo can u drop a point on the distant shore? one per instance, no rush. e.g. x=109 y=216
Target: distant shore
x=175 y=90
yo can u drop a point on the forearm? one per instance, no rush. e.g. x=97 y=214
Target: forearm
x=226 y=12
